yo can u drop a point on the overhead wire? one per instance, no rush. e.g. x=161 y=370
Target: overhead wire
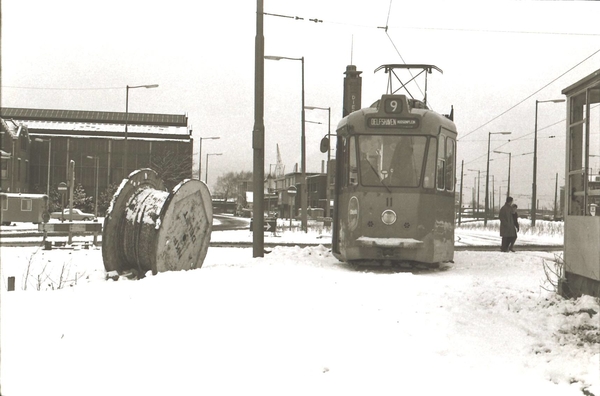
x=528 y=97
x=497 y=31
x=63 y=89
x=523 y=137
x=385 y=28
x=299 y=18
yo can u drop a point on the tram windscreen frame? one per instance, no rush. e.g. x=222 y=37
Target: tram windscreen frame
x=396 y=160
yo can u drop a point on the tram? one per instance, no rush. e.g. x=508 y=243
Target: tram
x=395 y=181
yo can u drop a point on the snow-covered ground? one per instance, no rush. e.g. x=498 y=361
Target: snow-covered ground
x=296 y=322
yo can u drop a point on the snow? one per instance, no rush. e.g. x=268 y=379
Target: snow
x=295 y=322
x=145 y=206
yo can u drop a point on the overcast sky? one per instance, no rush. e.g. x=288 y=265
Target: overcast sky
x=68 y=54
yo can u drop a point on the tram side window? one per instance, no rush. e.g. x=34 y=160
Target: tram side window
x=449 y=164
x=429 y=180
x=352 y=161
x=441 y=164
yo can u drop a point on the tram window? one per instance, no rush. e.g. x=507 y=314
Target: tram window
x=449 y=164
x=441 y=164
x=343 y=163
x=395 y=161
x=429 y=179
x=371 y=150
x=353 y=163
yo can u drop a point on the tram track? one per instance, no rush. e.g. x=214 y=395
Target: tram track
x=37 y=240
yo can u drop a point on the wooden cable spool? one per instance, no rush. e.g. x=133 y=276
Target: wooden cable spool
x=147 y=228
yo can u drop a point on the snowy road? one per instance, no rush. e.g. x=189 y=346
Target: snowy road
x=298 y=322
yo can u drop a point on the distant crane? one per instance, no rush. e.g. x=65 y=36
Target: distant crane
x=279 y=167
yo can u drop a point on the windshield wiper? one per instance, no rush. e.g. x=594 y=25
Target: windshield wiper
x=377 y=175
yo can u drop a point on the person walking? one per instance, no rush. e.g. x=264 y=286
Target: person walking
x=515 y=217
x=507 y=225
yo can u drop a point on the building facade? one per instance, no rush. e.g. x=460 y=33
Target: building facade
x=98 y=142
x=15 y=145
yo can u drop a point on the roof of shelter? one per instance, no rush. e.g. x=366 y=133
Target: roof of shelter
x=83 y=129
x=98 y=117
x=592 y=79
x=98 y=124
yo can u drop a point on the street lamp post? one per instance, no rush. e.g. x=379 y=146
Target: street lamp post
x=206 y=167
x=487 y=175
x=97 y=163
x=460 y=196
x=125 y=154
x=534 y=185
x=49 y=156
x=327 y=194
x=509 y=161
x=200 y=156
x=478 y=184
x=303 y=195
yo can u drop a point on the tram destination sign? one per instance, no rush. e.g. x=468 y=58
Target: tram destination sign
x=392 y=122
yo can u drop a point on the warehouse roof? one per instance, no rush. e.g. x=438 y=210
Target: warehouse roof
x=100 y=117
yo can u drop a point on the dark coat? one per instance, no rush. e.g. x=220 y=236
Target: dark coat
x=516 y=220
x=507 y=224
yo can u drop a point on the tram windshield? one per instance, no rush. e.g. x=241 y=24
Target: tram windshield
x=395 y=161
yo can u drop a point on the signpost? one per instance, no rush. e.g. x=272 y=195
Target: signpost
x=292 y=190
x=62 y=189
x=270 y=224
x=72 y=186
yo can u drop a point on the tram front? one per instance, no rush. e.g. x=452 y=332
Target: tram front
x=394 y=191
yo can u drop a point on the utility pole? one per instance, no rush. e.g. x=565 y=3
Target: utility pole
x=555 y=194
x=534 y=203
x=258 y=136
x=487 y=175
x=71 y=180
x=462 y=165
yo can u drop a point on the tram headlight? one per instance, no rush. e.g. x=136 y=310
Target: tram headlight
x=389 y=217
x=353 y=213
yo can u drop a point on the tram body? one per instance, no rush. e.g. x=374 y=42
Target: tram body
x=395 y=184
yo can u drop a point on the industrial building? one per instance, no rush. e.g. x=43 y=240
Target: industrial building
x=38 y=145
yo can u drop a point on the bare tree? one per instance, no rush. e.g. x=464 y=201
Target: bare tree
x=227 y=185
x=172 y=167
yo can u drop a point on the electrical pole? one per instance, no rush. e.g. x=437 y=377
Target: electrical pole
x=258 y=137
